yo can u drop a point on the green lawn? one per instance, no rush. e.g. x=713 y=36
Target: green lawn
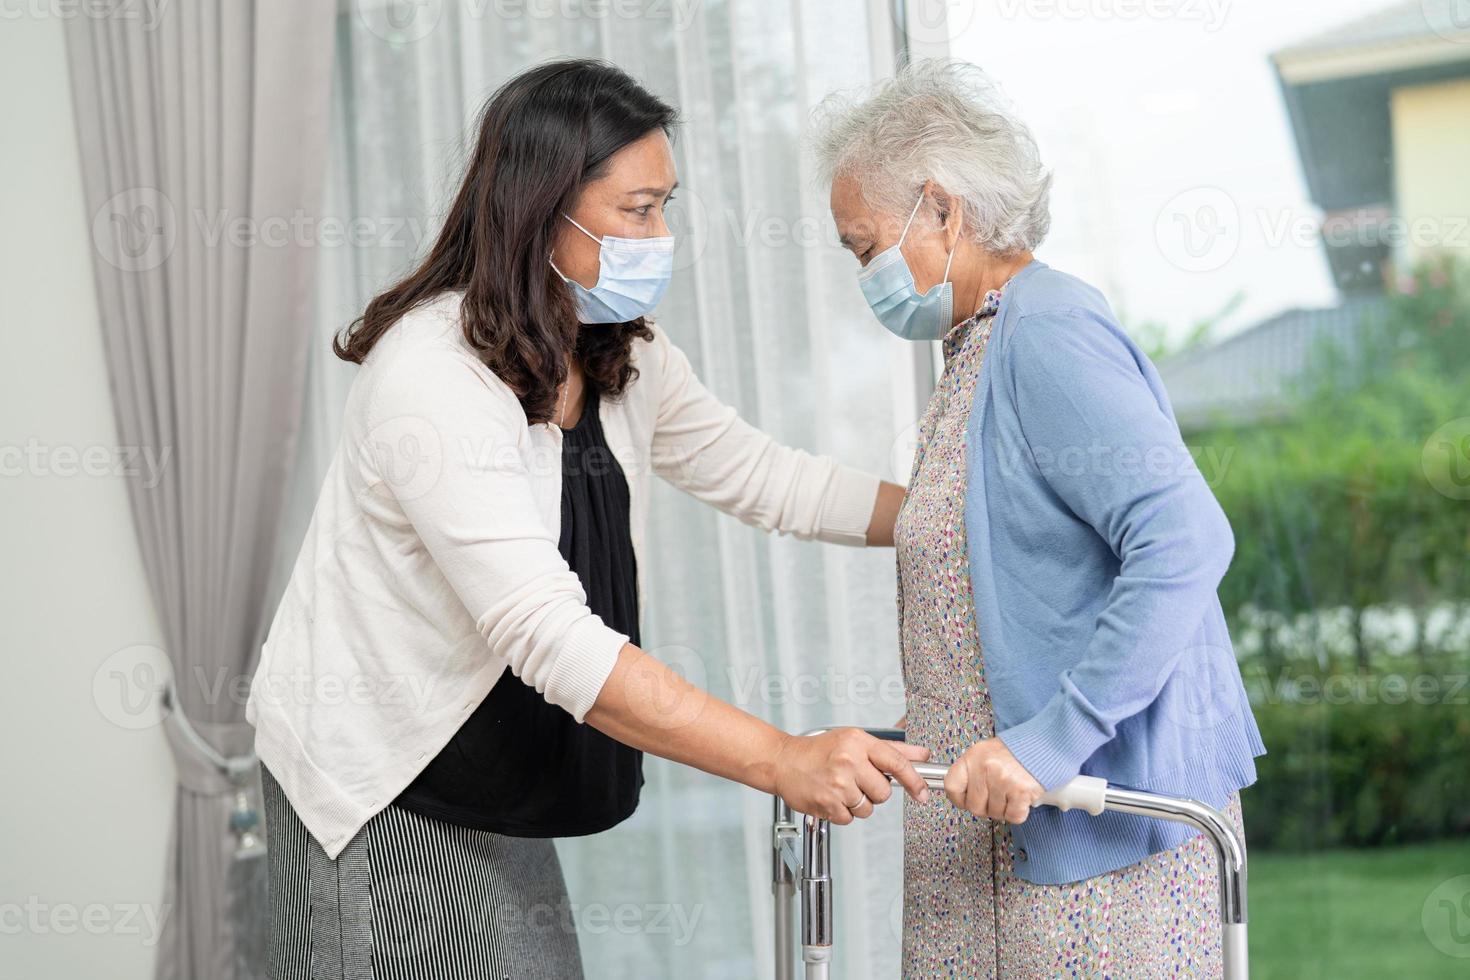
x=1354 y=913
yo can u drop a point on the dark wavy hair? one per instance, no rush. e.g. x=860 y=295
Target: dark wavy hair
x=542 y=136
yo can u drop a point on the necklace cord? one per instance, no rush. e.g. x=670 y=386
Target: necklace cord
x=566 y=389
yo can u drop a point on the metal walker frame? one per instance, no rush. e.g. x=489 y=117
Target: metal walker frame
x=801 y=855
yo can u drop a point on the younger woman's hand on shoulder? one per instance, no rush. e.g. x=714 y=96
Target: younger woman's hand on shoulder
x=885 y=515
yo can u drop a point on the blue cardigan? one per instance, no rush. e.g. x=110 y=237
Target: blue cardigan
x=1095 y=551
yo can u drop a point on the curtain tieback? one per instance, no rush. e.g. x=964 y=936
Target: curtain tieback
x=204 y=770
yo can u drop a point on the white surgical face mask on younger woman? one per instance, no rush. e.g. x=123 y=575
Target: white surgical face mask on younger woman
x=888 y=285
x=632 y=274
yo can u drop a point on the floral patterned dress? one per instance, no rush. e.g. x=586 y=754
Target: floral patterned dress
x=966 y=914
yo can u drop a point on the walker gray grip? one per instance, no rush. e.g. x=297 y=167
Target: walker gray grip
x=1087 y=793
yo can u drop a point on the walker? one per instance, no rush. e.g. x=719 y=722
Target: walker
x=802 y=854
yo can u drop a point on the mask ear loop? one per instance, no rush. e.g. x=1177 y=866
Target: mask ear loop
x=910 y=222
x=947 y=262
x=583 y=231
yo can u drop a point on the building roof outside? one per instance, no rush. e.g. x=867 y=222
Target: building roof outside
x=1415 y=20
x=1416 y=35
x=1251 y=375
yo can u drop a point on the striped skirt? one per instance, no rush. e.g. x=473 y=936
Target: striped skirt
x=414 y=897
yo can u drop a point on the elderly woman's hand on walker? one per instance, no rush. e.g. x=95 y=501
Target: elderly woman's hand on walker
x=987 y=781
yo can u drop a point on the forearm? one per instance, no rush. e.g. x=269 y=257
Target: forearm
x=1149 y=626
x=885 y=514
x=648 y=706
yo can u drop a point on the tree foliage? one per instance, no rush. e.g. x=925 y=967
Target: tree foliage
x=1340 y=503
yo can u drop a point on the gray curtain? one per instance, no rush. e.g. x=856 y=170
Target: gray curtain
x=203 y=133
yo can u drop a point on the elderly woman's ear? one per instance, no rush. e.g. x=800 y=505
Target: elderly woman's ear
x=946 y=209
x=935 y=242
x=950 y=212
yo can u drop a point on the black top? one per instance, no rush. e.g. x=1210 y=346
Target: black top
x=520 y=765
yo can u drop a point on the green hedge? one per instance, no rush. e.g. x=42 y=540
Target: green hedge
x=1361 y=774
x=1338 y=503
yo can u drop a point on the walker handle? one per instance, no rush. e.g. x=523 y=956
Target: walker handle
x=802 y=861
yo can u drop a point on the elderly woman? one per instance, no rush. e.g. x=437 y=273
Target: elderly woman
x=1058 y=556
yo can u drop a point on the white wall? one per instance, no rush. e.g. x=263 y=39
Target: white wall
x=1431 y=144
x=86 y=800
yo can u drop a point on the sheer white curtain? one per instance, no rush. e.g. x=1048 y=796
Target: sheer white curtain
x=765 y=304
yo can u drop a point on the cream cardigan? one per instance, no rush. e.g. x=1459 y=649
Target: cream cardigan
x=431 y=560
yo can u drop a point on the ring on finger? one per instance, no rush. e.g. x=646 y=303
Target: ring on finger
x=861 y=800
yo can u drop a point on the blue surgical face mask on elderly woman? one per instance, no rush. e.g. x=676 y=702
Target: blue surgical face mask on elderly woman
x=632 y=274
x=888 y=285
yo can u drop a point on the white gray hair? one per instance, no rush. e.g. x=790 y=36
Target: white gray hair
x=945 y=121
